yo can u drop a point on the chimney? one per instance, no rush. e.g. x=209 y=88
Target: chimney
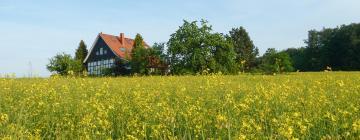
x=122 y=38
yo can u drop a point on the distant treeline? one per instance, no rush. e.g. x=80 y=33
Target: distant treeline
x=337 y=48
x=195 y=49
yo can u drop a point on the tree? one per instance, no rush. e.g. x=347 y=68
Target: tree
x=80 y=54
x=245 y=50
x=276 y=62
x=138 y=41
x=193 y=49
x=315 y=52
x=139 y=56
x=81 y=51
x=157 y=59
x=62 y=64
x=337 y=48
x=224 y=54
x=297 y=56
x=159 y=50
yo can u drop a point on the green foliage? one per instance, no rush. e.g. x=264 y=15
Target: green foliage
x=76 y=67
x=195 y=49
x=138 y=41
x=139 y=57
x=63 y=64
x=157 y=59
x=297 y=57
x=338 y=48
x=81 y=53
x=244 y=47
x=223 y=54
x=276 y=62
x=158 y=49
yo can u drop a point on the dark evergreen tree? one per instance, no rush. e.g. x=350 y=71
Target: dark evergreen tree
x=81 y=53
x=139 y=56
x=138 y=41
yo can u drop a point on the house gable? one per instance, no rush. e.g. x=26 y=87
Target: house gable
x=100 y=57
x=106 y=50
x=94 y=54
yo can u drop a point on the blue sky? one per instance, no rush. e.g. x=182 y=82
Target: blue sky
x=32 y=31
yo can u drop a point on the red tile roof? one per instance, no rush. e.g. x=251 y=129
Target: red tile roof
x=117 y=42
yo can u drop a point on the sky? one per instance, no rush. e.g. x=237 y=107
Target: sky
x=32 y=31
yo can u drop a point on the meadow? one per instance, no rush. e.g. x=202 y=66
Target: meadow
x=293 y=106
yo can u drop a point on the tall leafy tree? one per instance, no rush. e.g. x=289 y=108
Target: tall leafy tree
x=192 y=49
x=224 y=54
x=244 y=47
x=81 y=53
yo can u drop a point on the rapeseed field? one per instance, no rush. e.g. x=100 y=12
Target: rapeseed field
x=293 y=106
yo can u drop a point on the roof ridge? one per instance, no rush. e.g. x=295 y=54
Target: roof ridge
x=115 y=44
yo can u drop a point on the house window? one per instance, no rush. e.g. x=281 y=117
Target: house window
x=97 y=67
x=91 y=67
x=105 y=51
x=122 y=49
x=97 y=52
x=101 y=51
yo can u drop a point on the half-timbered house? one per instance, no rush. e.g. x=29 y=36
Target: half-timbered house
x=106 y=50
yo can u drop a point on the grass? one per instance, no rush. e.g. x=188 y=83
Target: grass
x=294 y=106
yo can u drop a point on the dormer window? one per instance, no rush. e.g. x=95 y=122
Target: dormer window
x=122 y=49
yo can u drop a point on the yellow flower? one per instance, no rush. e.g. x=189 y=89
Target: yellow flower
x=341 y=83
x=356 y=126
x=242 y=137
x=3 y=118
